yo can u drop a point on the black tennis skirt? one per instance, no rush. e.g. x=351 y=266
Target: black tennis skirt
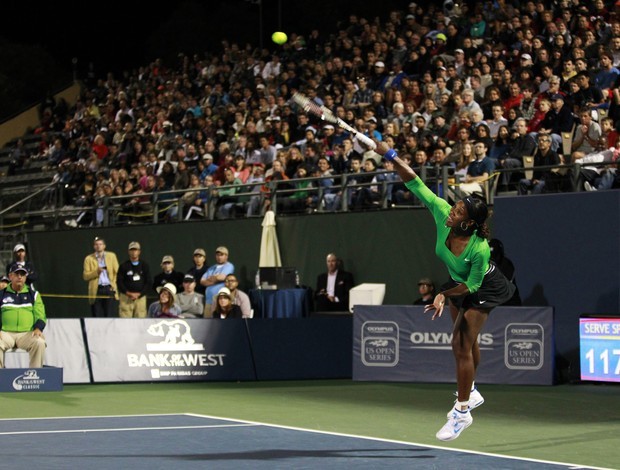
x=495 y=290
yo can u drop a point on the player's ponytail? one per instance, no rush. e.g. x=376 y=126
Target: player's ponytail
x=484 y=231
x=478 y=211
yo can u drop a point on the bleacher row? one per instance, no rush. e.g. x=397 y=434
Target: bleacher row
x=222 y=104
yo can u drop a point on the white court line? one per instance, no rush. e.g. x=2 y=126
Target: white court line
x=97 y=416
x=154 y=428
x=571 y=466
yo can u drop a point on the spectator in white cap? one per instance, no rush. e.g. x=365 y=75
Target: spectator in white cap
x=309 y=140
x=378 y=74
x=371 y=126
x=166 y=305
x=525 y=62
x=328 y=136
x=210 y=167
x=19 y=258
x=224 y=307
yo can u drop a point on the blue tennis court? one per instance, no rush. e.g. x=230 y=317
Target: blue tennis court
x=182 y=441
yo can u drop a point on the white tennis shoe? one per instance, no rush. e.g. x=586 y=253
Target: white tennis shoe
x=458 y=421
x=475 y=399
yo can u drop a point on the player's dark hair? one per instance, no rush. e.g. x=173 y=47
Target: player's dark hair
x=478 y=212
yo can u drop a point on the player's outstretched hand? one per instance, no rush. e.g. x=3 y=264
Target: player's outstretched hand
x=382 y=147
x=438 y=304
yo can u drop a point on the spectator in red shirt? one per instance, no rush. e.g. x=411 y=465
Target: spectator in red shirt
x=99 y=147
x=514 y=99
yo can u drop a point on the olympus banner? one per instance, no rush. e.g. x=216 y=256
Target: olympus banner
x=127 y=349
x=403 y=344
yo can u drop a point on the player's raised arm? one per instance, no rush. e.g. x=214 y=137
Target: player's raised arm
x=405 y=172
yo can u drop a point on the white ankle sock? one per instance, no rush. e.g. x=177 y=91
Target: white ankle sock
x=462 y=404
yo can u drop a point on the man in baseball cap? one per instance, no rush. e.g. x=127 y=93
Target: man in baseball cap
x=191 y=302
x=16 y=268
x=168 y=275
x=134 y=282
x=213 y=279
x=426 y=288
x=198 y=268
x=23 y=318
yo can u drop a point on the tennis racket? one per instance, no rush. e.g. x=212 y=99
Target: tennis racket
x=325 y=114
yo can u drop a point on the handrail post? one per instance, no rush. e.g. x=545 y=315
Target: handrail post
x=106 y=211
x=444 y=181
x=575 y=176
x=155 y=204
x=344 y=199
x=384 y=194
x=180 y=205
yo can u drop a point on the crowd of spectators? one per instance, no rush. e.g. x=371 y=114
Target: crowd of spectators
x=430 y=81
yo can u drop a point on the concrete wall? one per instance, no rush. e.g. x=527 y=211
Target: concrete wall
x=29 y=119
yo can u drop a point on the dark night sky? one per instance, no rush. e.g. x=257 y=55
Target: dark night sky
x=119 y=34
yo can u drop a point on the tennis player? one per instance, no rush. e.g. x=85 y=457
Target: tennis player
x=475 y=287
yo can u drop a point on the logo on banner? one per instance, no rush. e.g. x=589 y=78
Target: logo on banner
x=440 y=340
x=176 y=354
x=176 y=336
x=380 y=343
x=29 y=380
x=524 y=346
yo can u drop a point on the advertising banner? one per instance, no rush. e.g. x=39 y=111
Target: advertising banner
x=169 y=349
x=403 y=344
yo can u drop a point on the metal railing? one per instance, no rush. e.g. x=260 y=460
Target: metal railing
x=170 y=206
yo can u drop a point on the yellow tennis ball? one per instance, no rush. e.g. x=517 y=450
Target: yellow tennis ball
x=279 y=37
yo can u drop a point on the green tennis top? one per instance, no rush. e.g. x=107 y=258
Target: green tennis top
x=471 y=266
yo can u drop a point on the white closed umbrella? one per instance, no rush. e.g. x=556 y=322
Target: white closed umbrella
x=269 y=247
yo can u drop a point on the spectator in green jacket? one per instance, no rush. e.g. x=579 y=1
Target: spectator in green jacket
x=22 y=318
